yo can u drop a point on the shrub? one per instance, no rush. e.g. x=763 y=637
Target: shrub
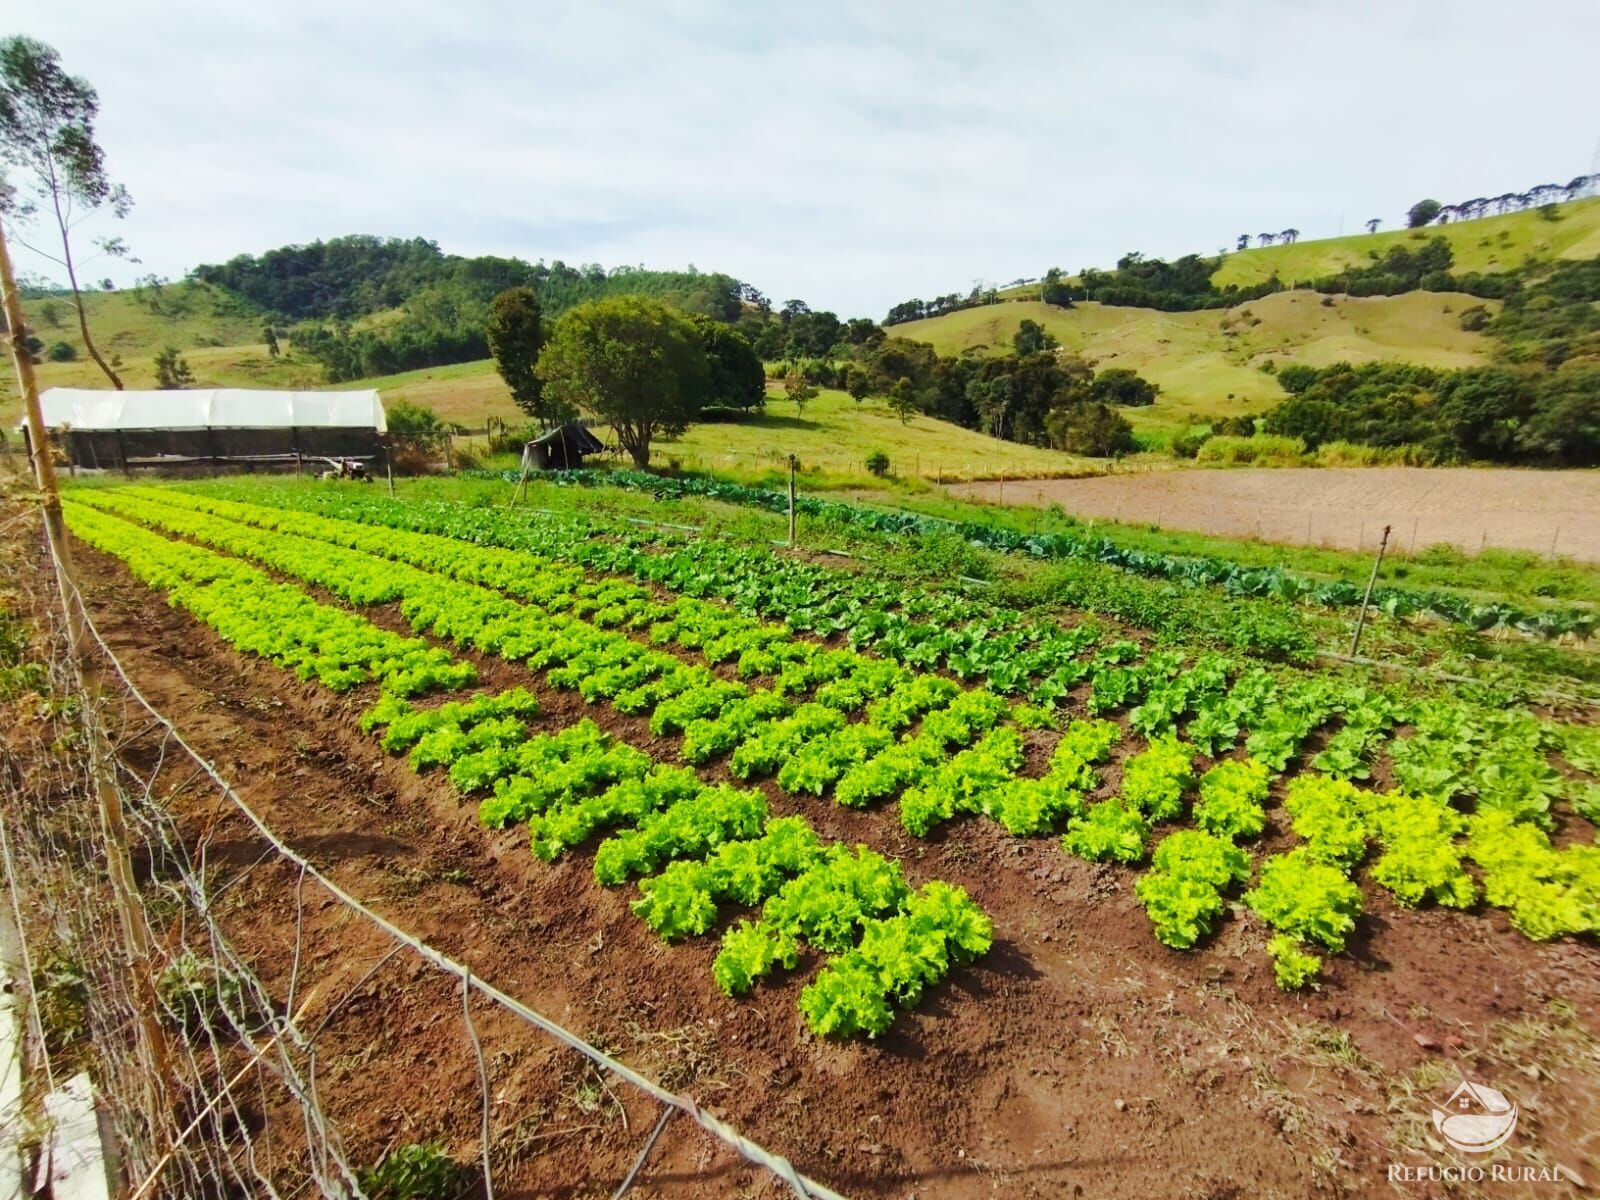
x=878 y=463
x=1296 y=377
x=61 y=352
x=1188 y=443
x=415 y=421
x=1353 y=454
x=61 y=994
x=1263 y=448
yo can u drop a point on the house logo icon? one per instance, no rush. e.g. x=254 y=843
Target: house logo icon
x=1476 y=1119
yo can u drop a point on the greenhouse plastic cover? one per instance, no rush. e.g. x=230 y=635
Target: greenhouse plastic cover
x=203 y=408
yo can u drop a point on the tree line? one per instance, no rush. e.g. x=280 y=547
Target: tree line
x=1494 y=414
x=1428 y=212
x=1538 y=405
x=921 y=310
x=349 y=277
x=442 y=299
x=1033 y=394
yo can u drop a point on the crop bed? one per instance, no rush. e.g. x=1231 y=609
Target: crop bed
x=988 y=863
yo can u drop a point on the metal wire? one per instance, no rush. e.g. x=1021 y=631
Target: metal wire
x=242 y=1057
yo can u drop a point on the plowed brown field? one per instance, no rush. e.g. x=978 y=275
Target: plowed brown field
x=1342 y=508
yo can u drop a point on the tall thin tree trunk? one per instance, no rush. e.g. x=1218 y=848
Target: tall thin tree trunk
x=83 y=317
x=77 y=293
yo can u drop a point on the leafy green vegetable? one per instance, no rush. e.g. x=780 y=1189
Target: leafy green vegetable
x=1184 y=893
x=1306 y=899
x=1113 y=830
x=1232 y=798
x=1292 y=966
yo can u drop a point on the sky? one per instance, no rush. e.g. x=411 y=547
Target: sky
x=853 y=155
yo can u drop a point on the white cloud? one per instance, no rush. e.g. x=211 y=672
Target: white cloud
x=853 y=155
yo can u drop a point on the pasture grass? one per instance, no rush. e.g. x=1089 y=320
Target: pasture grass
x=1498 y=243
x=1216 y=363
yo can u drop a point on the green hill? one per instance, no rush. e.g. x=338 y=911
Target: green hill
x=1487 y=244
x=1210 y=363
x=219 y=335
x=833 y=433
x=139 y=321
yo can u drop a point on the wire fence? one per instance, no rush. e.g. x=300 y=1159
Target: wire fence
x=246 y=954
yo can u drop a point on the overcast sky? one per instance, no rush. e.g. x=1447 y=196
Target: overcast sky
x=850 y=154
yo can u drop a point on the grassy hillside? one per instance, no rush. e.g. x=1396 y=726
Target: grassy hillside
x=219 y=335
x=138 y=321
x=1209 y=363
x=1487 y=244
x=833 y=434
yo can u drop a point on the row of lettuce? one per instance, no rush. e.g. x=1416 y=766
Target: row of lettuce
x=1456 y=747
x=692 y=846
x=1211 y=570
x=947 y=752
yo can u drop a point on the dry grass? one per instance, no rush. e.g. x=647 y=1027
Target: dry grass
x=1210 y=363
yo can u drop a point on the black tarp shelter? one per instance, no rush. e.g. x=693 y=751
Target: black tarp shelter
x=562 y=449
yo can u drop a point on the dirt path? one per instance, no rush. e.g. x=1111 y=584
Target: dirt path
x=1342 y=508
x=1078 y=1058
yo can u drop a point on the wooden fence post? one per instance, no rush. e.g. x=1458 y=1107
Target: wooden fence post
x=1361 y=619
x=792 y=463
x=102 y=770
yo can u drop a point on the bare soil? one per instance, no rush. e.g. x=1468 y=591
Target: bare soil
x=1079 y=1058
x=1341 y=508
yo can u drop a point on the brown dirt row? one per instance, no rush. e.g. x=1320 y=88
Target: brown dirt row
x=1346 y=508
x=1079 y=1054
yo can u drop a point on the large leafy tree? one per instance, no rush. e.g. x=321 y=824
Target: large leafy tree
x=1032 y=338
x=1119 y=385
x=631 y=361
x=47 y=137
x=515 y=332
x=1054 y=289
x=736 y=377
x=1091 y=429
x=1423 y=212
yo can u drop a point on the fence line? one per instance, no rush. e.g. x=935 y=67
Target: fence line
x=168 y=1159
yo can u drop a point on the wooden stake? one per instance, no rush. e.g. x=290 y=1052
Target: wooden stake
x=388 y=469
x=522 y=483
x=1361 y=619
x=793 y=462
x=119 y=867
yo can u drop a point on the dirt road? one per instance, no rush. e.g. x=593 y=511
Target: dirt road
x=1344 y=508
